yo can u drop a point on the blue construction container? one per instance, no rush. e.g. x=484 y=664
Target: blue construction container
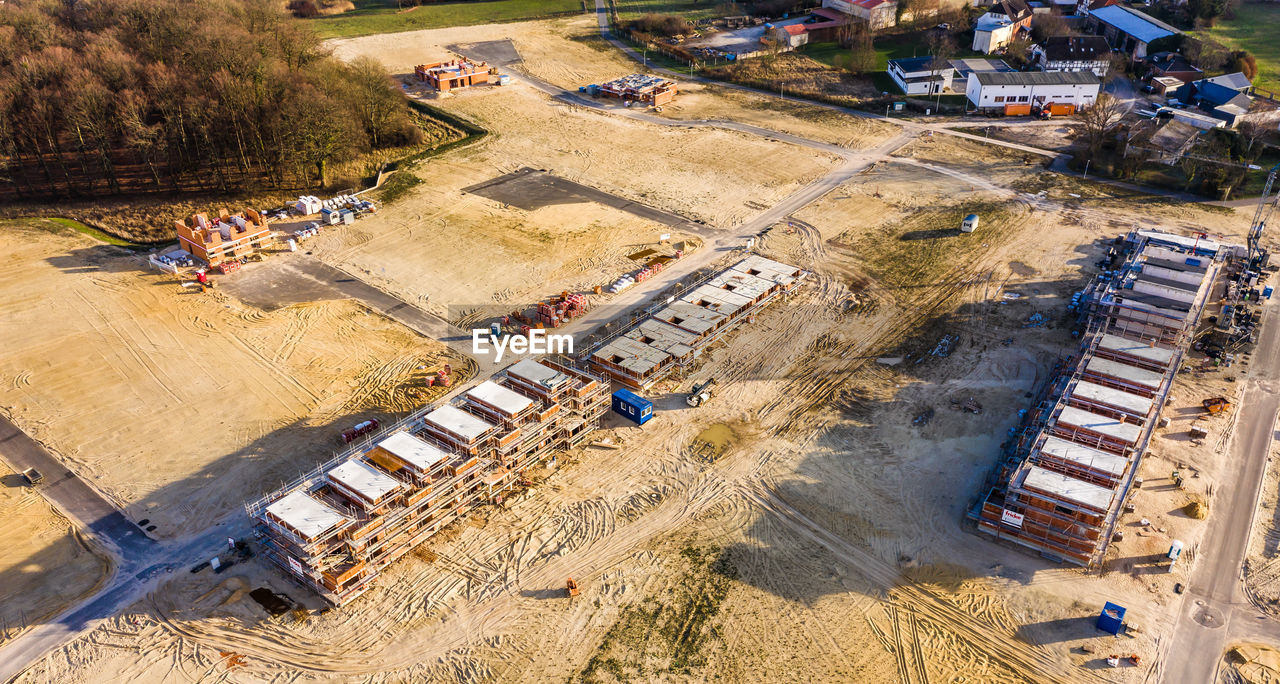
x=1266 y=292
x=633 y=406
x=1111 y=619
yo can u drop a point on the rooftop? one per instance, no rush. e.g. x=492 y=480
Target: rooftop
x=1088 y=457
x=691 y=317
x=1021 y=78
x=1120 y=399
x=1073 y=48
x=492 y=394
x=1071 y=416
x=1140 y=350
x=1068 y=488
x=631 y=355
x=1123 y=371
x=1236 y=81
x=458 y=422
x=742 y=283
x=972 y=65
x=716 y=299
x=364 y=479
x=911 y=65
x=308 y=517
x=768 y=269
x=1141 y=26
x=421 y=455
x=536 y=373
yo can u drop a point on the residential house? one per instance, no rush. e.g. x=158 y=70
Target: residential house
x=1074 y=53
x=1003 y=23
x=1222 y=97
x=992 y=91
x=919 y=75
x=1128 y=30
x=968 y=66
x=791 y=35
x=1172 y=65
x=878 y=14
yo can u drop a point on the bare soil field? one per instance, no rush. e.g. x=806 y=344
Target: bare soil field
x=45 y=564
x=152 y=392
x=799 y=525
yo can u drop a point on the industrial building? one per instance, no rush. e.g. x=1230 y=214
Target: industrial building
x=454 y=74
x=334 y=529
x=677 y=332
x=226 y=238
x=1027 y=89
x=1062 y=481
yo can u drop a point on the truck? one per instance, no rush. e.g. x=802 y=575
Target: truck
x=32 y=476
x=700 y=393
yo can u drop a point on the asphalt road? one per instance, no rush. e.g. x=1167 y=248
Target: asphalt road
x=72 y=495
x=1215 y=611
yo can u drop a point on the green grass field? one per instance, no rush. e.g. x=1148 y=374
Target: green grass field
x=1256 y=28
x=383 y=16
x=692 y=10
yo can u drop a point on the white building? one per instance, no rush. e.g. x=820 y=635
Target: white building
x=1001 y=25
x=878 y=14
x=994 y=90
x=918 y=76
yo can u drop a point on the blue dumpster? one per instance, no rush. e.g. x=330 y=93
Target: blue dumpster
x=633 y=406
x=1111 y=620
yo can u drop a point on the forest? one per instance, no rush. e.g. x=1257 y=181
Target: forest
x=216 y=96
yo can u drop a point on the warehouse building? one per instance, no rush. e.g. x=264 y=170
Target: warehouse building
x=993 y=91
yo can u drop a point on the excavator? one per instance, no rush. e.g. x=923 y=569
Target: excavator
x=700 y=393
x=571 y=588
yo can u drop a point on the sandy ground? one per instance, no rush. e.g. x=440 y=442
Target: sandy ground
x=799 y=526
x=45 y=564
x=763 y=535
x=152 y=392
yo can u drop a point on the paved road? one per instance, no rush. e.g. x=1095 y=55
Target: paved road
x=72 y=495
x=1215 y=609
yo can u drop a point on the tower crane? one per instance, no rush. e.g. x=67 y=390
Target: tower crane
x=1266 y=207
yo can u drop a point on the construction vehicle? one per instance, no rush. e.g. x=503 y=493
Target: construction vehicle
x=700 y=393
x=1217 y=405
x=571 y=587
x=32 y=476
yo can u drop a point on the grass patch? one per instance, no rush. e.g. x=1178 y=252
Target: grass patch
x=397 y=186
x=1255 y=28
x=56 y=224
x=665 y=634
x=928 y=244
x=693 y=10
x=383 y=16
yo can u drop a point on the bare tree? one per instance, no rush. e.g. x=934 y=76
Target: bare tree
x=1099 y=121
x=941 y=49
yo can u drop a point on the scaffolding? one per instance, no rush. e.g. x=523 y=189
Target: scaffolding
x=673 y=334
x=335 y=528
x=1061 y=483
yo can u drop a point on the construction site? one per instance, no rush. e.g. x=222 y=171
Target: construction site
x=449 y=75
x=831 y=324
x=1062 y=487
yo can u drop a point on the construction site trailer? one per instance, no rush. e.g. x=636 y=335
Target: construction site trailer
x=632 y=406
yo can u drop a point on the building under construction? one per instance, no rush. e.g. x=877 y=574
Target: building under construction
x=1062 y=482
x=337 y=527
x=675 y=333
x=653 y=90
x=454 y=74
x=226 y=238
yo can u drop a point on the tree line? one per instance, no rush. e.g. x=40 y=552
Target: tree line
x=130 y=96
